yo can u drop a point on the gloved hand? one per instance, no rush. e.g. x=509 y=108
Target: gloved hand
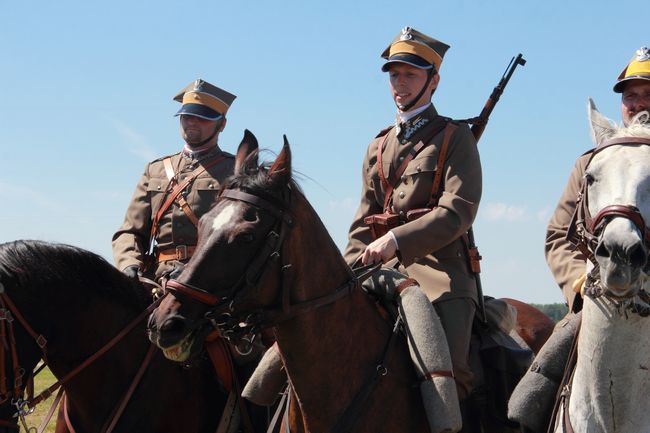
x=132 y=271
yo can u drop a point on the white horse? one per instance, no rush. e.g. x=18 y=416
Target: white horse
x=610 y=390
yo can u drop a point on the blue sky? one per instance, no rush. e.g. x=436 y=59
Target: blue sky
x=88 y=90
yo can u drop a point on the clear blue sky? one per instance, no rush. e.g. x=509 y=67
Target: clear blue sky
x=88 y=90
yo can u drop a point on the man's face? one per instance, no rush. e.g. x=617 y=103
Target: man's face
x=196 y=129
x=406 y=82
x=635 y=98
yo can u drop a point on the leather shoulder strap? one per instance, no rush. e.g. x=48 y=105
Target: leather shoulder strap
x=450 y=128
x=389 y=185
x=175 y=193
x=169 y=170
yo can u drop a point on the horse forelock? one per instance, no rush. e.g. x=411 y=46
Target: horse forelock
x=30 y=263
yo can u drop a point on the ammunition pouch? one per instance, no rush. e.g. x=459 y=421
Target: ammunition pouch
x=381 y=223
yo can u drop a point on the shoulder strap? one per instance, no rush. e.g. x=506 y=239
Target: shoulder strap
x=450 y=128
x=175 y=193
x=390 y=184
x=169 y=170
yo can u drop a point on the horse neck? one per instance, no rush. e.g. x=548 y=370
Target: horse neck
x=612 y=371
x=327 y=351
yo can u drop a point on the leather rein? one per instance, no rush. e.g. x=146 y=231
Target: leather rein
x=240 y=326
x=225 y=318
x=25 y=405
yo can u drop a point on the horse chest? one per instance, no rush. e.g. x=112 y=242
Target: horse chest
x=612 y=378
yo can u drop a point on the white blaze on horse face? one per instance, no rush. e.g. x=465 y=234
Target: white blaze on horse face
x=224 y=216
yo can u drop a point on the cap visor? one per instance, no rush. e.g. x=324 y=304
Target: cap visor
x=199 y=110
x=620 y=86
x=409 y=59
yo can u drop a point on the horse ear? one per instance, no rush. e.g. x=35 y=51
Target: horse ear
x=246 y=153
x=601 y=127
x=280 y=171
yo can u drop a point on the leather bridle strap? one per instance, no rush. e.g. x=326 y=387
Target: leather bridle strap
x=268 y=204
x=108 y=346
x=629 y=212
x=195 y=293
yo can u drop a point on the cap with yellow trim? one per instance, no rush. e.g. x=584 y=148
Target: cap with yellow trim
x=637 y=69
x=415 y=49
x=202 y=99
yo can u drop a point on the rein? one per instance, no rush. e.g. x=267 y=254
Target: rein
x=585 y=231
x=9 y=312
x=223 y=314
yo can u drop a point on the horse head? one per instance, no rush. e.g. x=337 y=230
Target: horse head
x=616 y=195
x=240 y=239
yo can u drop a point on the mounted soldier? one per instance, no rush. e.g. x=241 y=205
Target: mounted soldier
x=421 y=186
x=160 y=226
x=567 y=263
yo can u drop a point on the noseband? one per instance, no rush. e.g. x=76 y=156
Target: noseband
x=586 y=231
x=223 y=314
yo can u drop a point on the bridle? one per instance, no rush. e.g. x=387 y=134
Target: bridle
x=25 y=405
x=235 y=324
x=585 y=231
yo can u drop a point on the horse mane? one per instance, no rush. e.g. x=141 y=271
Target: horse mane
x=258 y=181
x=29 y=262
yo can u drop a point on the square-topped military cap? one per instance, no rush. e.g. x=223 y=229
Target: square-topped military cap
x=204 y=100
x=416 y=49
x=637 y=69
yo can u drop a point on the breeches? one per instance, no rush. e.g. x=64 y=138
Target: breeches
x=457 y=316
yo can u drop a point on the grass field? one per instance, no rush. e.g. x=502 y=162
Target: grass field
x=44 y=379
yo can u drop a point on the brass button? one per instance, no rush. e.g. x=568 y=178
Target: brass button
x=401 y=158
x=418 y=169
x=403 y=142
x=403 y=178
x=401 y=194
x=158 y=187
x=211 y=186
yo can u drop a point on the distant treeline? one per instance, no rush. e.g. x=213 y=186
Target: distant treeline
x=554 y=311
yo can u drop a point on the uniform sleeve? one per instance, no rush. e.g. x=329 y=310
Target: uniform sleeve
x=565 y=261
x=131 y=240
x=457 y=207
x=359 y=235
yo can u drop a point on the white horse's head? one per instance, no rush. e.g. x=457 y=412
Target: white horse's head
x=618 y=183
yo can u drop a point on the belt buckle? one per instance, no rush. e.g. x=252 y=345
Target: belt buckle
x=181 y=252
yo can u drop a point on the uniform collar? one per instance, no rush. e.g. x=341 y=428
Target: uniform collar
x=416 y=119
x=408 y=115
x=200 y=152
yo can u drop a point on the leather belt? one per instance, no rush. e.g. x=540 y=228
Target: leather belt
x=181 y=252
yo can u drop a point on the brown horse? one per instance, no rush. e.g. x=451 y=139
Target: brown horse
x=265 y=259
x=78 y=302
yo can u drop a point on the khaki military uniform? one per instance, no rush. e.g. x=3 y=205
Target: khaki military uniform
x=176 y=231
x=566 y=262
x=430 y=249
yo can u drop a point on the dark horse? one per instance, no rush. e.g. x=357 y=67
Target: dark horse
x=78 y=302
x=265 y=260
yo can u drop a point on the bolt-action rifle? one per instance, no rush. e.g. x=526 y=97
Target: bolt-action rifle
x=478 y=126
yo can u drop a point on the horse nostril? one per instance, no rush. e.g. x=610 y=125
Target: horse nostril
x=173 y=325
x=602 y=251
x=638 y=256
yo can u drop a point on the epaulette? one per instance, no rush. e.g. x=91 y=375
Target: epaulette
x=163 y=157
x=384 y=131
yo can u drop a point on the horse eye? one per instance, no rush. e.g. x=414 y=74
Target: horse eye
x=250 y=215
x=589 y=178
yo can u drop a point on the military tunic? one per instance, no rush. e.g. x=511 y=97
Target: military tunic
x=566 y=262
x=131 y=241
x=430 y=248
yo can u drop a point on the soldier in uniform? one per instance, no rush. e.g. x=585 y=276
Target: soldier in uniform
x=567 y=263
x=425 y=173
x=159 y=229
